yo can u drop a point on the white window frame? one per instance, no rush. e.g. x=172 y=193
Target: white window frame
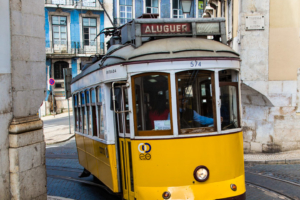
x=126 y=12
x=145 y=7
x=178 y=10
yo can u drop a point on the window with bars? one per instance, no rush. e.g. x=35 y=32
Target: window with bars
x=177 y=9
x=89 y=31
x=59 y=30
x=151 y=6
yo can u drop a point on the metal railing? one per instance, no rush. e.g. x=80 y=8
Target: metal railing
x=77 y=3
x=72 y=47
x=121 y=21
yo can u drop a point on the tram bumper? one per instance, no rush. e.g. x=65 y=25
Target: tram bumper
x=197 y=191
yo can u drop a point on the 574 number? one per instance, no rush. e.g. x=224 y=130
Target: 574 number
x=195 y=63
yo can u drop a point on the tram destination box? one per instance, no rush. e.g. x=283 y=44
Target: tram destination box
x=139 y=30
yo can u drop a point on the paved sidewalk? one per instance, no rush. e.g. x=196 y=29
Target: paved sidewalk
x=56 y=128
x=287 y=157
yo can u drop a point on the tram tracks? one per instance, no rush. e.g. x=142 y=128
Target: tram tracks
x=281 y=187
x=70 y=174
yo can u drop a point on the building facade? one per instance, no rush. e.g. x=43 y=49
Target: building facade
x=268 y=44
x=71 y=30
x=23 y=88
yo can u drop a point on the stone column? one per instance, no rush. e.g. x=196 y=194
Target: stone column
x=27 y=159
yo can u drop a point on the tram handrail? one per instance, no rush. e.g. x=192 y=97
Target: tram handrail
x=114 y=98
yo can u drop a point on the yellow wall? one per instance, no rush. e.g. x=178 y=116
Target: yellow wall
x=235 y=16
x=284 y=40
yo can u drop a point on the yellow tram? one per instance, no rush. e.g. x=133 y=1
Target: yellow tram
x=158 y=117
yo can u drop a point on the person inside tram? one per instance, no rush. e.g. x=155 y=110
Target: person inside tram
x=159 y=110
x=189 y=116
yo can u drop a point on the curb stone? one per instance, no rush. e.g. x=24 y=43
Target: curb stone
x=57 y=198
x=273 y=162
x=60 y=141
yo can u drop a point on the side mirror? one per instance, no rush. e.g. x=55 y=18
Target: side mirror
x=117 y=100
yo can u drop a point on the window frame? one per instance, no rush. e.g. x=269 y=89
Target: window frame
x=151 y=7
x=147 y=133
x=83 y=26
x=214 y=103
x=178 y=10
x=59 y=25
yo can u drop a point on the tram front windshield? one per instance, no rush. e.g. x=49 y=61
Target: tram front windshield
x=195 y=101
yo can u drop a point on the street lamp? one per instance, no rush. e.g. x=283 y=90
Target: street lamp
x=186 y=6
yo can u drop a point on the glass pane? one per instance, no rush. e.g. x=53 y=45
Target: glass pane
x=195 y=109
x=63 y=36
x=175 y=4
x=129 y=2
x=56 y=35
x=93 y=22
x=86 y=22
x=122 y=2
x=79 y=99
x=75 y=100
x=63 y=29
x=102 y=123
x=129 y=16
x=155 y=10
x=148 y=3
x=90 y=119
x=56 y=29
x=122 y=14
x=148 y=10
x=120 y=123
x=86 y=30
x=129 y=9
x=99 y=99
x=63 y=20
x=127 y=124
x=55 y=20
x=93 y=96
x=229 y=111
x=152 y=103
x=93 y=31
x=82 y=98
x=83 y=118
x=87 y=95
x=122 y=8
x=155 y=3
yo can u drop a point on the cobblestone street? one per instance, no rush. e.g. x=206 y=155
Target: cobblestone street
x=63 y=169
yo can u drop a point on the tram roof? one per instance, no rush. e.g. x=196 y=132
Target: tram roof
x=176 y=48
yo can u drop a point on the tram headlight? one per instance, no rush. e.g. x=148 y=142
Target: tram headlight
x=201 y=173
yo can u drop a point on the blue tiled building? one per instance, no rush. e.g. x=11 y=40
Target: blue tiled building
x=125 y=10
x=71 y=27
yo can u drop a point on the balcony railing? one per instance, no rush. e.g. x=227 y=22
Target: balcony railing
x=77 y=3
x=70 y=47
x=121 y=21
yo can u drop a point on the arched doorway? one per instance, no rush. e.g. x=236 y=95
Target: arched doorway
x=58 y=69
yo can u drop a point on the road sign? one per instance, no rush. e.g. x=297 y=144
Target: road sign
x=51 y=81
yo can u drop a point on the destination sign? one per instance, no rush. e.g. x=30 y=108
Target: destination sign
x=171 y=28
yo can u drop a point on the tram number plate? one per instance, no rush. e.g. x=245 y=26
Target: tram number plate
x=195 y=63
x=145 y=156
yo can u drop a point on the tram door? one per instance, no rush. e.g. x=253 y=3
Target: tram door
x=125 y=146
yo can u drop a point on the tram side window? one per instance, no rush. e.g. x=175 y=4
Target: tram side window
x=83 y=112
x=228 y=80
x=152 y=104
x=196 y=102
x=79 y=125
x=100 y=110
x=75 y=112
x=93 y=114
x=88 y=112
